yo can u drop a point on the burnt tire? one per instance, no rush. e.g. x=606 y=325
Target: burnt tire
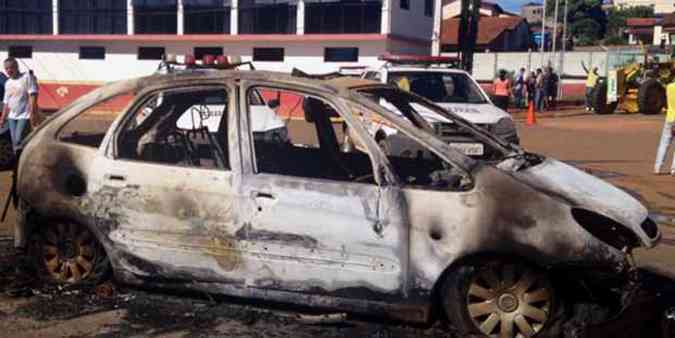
x=600 y=105
x=500 y=299
x=6 y=153
x=65 y=252
x=651 y=97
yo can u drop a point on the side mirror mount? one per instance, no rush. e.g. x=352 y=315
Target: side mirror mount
x=273 y=104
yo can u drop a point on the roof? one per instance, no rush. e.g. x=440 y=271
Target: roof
x=489 y=28
x=641 y=22
x=669 y=20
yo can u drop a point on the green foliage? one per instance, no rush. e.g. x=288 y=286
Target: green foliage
x=616 y=18
x=586 y=20
x=616 y=40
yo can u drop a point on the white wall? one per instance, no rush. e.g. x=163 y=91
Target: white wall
x=59 y=61
x=660 y=6
x=486 y=65
x=411 y=23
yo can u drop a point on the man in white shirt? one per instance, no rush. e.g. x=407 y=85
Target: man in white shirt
x=19 y=102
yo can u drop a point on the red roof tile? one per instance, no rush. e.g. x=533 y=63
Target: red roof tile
x=640 y=22
x=489 y=28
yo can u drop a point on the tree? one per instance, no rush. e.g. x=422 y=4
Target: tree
x=586 y=20
x=616 y=20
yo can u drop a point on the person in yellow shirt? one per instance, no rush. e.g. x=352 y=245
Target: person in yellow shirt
x=668 y=133
x=591 y=82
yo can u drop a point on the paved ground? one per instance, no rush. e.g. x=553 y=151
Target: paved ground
x=620 y=149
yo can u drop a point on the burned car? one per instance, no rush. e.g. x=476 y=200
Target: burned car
x=499 y=246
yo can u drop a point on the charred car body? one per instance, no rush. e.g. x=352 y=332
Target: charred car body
x=301 y=221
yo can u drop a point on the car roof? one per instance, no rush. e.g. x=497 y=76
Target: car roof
x=425 y=69
x=334 y=85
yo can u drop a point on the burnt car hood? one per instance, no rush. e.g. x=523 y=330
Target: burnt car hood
x=582 y=190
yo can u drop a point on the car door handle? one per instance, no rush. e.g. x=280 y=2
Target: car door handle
x=263 y=195
x=113 y=177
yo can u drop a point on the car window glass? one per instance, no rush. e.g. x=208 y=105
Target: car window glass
x=90 y=126
x=304 y=137
x=375 y=76
x=182 y=127
x=438 y=86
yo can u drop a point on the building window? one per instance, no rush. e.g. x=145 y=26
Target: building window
x=201 y=51
x=21 y=52
x=268 y=54
x=206 y=16
x=25 y=17
x=267 y=16
x=331 y=17
x=155 y=16
x=349 y=54
x=92 y=17
x=150 y=53
x=405 y=4
x=92 y=53
x=429 y=8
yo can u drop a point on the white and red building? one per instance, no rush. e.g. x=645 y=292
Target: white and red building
x=76 y=45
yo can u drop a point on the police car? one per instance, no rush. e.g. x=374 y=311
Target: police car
x=453 y=89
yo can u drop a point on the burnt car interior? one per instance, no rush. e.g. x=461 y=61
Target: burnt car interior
x=153 y=135
x=318 y=156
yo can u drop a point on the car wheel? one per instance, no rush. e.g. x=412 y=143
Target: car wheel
x=499 y=299
x=67 y=253
x=6 y=153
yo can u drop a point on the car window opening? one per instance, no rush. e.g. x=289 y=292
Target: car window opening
x=183 y=128
x=439 y=87
x=310 y=145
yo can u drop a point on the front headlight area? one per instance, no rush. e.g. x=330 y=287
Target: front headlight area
x=506 y=129
x=606 y=230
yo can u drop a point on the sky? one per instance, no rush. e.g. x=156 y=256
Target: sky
x=512 y=5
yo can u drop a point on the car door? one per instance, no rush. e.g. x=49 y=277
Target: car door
x=170 y=190
x=306 y=229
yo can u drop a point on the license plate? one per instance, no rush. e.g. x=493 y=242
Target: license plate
x=470 y=149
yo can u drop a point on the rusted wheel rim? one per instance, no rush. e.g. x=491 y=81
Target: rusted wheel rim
x=68 y=251
x=508 y=301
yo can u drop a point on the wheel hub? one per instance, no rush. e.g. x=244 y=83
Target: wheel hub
x=67 y=249
x=508 y=302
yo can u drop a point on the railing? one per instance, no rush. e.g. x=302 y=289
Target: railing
x=155 y=20
x=201 y=20
x=93 y=21
x=267 y=19
x=343 y=17
x=25 y=21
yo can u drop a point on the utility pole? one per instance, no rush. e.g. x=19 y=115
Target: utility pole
x=468 y=32
x=543 y=34
x=562 y=51
x=555 y=30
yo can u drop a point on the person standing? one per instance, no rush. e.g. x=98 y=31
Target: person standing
x=551 y=88
x=519 y=89
x=502 y=91
x=539 y=91
x=591 y=81
x=19 y=103
x=668 y=133
x=531 y=88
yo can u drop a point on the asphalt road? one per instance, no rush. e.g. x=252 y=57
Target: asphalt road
x=618 y=148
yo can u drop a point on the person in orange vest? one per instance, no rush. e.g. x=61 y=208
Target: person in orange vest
x=668 y=133
x=502 y=91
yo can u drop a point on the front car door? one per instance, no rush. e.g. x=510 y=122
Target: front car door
x=169 y=189
x=317 y=221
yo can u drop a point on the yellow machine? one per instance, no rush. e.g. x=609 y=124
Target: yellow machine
x=634 y=87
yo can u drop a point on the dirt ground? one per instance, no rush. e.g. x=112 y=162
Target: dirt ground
x=618 y=148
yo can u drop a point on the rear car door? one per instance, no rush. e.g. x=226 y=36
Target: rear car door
x=169 y=186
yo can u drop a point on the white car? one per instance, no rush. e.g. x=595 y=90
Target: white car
x=456 y=91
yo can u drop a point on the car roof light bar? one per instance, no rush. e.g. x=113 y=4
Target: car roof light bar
x=424 y=60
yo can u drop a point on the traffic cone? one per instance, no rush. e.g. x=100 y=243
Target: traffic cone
x=531 y=117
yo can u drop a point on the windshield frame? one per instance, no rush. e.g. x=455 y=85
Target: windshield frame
x=485 y=99
x=437 y=145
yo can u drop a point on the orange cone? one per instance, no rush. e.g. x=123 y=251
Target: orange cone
x=531 y=117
